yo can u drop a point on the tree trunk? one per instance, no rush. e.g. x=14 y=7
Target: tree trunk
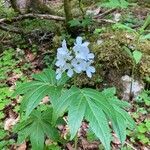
x=68 y=16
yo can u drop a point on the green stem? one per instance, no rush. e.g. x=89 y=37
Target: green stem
x=76 y=142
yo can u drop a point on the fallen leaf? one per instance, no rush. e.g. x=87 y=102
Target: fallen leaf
x=22 y=147
x=9 y=122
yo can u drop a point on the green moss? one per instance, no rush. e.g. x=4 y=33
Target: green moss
x=112 y=61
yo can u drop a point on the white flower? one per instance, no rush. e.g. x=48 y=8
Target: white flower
x=81 y=50
x=89 y=69
x=81 y=61
x=63 y=50
x=63 y=55
x=69 y=69
x=78 y=65
x=59 y=72
x=117 y=17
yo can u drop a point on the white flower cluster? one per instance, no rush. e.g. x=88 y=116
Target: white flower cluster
x=77 y=60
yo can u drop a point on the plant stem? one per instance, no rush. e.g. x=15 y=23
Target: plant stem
x=130 y=145
x=75 y=142
x=132 y=80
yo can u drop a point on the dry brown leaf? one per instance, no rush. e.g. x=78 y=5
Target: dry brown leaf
x=9 y=122
x=115 y=139
x=45 y=100
x=89 y=145
x=22 y=147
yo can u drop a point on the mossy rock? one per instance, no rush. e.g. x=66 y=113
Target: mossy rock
x=112 y=61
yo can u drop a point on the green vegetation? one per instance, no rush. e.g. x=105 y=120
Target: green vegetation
x=85 y=108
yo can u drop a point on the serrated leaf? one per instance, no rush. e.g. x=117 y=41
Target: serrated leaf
x=36 y=127
x=45 y=84
x=103 y=102
x=63 y=79
x=119 y=126
x=99 y=124
x=37 y=136
x=137 y=55
x=31 y=100
x=99 y=111
x=26 y=87
x=63 y=102
x=47 y=76
x=77 y=108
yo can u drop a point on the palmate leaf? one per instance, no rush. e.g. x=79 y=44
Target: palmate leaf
x=36 y=127
x=96 y=107
x=44 y=84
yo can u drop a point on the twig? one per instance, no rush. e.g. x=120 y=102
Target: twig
x=14 y=30
x=105 y=13
x=130 y=145
x=30 y=15
x=104 y=20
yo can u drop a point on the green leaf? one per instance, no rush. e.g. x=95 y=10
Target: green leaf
x=103 y=102
x=74 y=22
x=146 y=23
x=123 y=27
x=115 y=4
x=33 y=98
x=137 y=55
x=128 y=52
x=44 y=84
x=77 y=108
x=141 y=128
x=145 y=37
x=63 y=102
x=37 y=136
x=147 y=124
x=48 y=75
x=98 y=123
x=36 y=127
x=98 y=109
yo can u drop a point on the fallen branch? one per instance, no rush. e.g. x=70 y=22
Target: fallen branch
x=104 y=20
x=26 y=16
x=13 y=30
x=105 y=13
x=130 y=145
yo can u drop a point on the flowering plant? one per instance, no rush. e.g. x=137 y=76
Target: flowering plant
x=99 y=109
x=78 y=60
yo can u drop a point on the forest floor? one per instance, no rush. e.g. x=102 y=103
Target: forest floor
x=21 y=58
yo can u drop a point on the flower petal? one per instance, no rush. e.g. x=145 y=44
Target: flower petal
x=58 y=76
x=85 y=44
x=91 y=69
x=89 y=74
x=70 y=72
x=79 y=40
x=64 y=44
x=90 y=56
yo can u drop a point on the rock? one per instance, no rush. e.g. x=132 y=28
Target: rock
x=93 y=12
x=117 y=17
x=137 y=87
